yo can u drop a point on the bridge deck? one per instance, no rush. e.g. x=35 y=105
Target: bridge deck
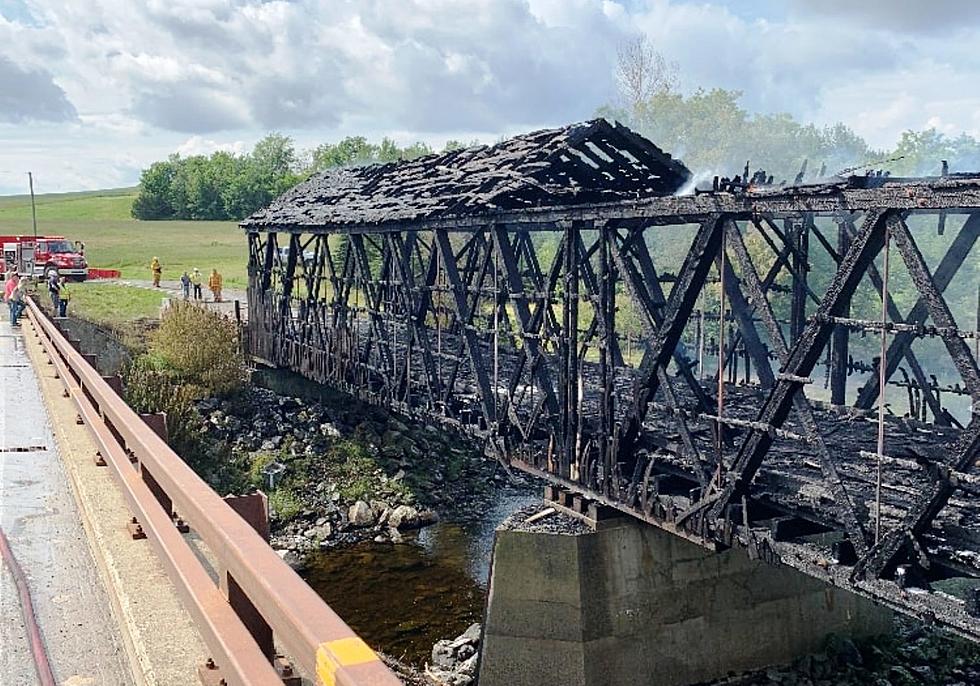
x=40 y=517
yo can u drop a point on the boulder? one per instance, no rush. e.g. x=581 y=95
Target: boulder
x=404 y=517
x=360 y=514
x=291 y=558
x=443 y=655
x=321 y=532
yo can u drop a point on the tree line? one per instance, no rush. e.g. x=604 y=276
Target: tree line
x=228 y=186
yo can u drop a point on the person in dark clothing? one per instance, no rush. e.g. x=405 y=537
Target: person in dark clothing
x=54 y=290
x=65 y=297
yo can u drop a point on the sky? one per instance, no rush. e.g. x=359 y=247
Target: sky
x=92 y=91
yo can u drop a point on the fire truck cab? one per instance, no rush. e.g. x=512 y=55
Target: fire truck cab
x=48 y=253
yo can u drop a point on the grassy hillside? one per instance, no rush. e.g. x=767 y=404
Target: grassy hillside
x=114 y=240
x=113 y=204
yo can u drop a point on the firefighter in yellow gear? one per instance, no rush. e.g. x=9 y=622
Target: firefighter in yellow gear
x=157 y=270
x=196 y=283
x=214 y=283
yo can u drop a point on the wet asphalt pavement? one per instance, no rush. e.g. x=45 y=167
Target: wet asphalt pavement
x=40 y=517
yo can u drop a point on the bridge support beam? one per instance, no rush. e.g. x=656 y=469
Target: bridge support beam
x=630 y=604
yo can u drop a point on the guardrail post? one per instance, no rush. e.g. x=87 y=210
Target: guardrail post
x=115 y=383
x=157 y=421
x=254 y=509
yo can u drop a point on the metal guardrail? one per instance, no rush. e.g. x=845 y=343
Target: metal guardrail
x=257 y=592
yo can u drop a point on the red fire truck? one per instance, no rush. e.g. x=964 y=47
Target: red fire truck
x=40 y=257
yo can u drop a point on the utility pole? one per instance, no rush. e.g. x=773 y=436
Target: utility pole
x=30 y=180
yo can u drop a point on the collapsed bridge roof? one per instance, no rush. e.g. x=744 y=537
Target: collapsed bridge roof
x=590 y=162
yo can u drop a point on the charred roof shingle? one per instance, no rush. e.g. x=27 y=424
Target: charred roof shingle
x=590 y=162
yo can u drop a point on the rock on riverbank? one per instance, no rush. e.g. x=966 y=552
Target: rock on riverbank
x=339 y=471
x=454 y=661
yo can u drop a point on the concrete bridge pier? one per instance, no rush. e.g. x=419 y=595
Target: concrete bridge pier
x=629 y=604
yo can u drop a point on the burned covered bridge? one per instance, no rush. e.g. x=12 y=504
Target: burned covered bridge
x=792 y=369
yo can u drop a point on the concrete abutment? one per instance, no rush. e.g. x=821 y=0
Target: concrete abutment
x=631 y=604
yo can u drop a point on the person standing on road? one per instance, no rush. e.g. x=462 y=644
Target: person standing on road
x=8 y=290
x=65 y=297
x=214 y=283
x=185 y=285
x=54 y=290
x=157 y=270
x=196 y=281
x=18 y=300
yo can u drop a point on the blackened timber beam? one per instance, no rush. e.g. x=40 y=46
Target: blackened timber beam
x=683 y=296
x=270 y=252
x=570 y=411
x=952 y=195
x=801 y=360
x=924 y=509
x=799 y=235
x=938 y=309
x=605 y=318
x=288 y=280
x=840 y=339
x=463 y=314
x=416 y=315
x=957 y=253
x=651 y=279
x=651 y=321
x=758 y=302
x=373 y=294
x=531 y=345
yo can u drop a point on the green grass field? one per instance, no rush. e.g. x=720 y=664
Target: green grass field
x=113 y=305
x=114 y=240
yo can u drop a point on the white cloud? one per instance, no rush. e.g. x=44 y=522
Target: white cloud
x=196 y=145
x=148 y=77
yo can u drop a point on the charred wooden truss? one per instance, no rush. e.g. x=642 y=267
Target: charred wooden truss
x=519 y=293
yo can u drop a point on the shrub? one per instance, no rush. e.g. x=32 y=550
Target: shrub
x=199 y=348
x=284 y=505
x=149 y=390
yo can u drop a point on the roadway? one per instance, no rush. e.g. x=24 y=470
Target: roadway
x=39 y=515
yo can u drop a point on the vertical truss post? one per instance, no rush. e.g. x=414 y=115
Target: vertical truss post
x=839 y=341
x=570 y=423
x=799 y=234
x=607 y=348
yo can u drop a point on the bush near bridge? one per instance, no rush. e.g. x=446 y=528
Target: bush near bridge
x=194 y=354
x=200 y=349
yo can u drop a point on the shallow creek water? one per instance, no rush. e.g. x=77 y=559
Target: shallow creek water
x=403 y=598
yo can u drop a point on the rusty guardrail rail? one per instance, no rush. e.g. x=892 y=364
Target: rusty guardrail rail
x=259 y=595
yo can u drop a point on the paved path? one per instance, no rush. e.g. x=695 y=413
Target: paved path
x=39 y=514
x=171 y=289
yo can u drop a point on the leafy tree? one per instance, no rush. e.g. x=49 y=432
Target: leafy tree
x=153 y=201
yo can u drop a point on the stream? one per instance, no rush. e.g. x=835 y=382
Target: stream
x=403 y=598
